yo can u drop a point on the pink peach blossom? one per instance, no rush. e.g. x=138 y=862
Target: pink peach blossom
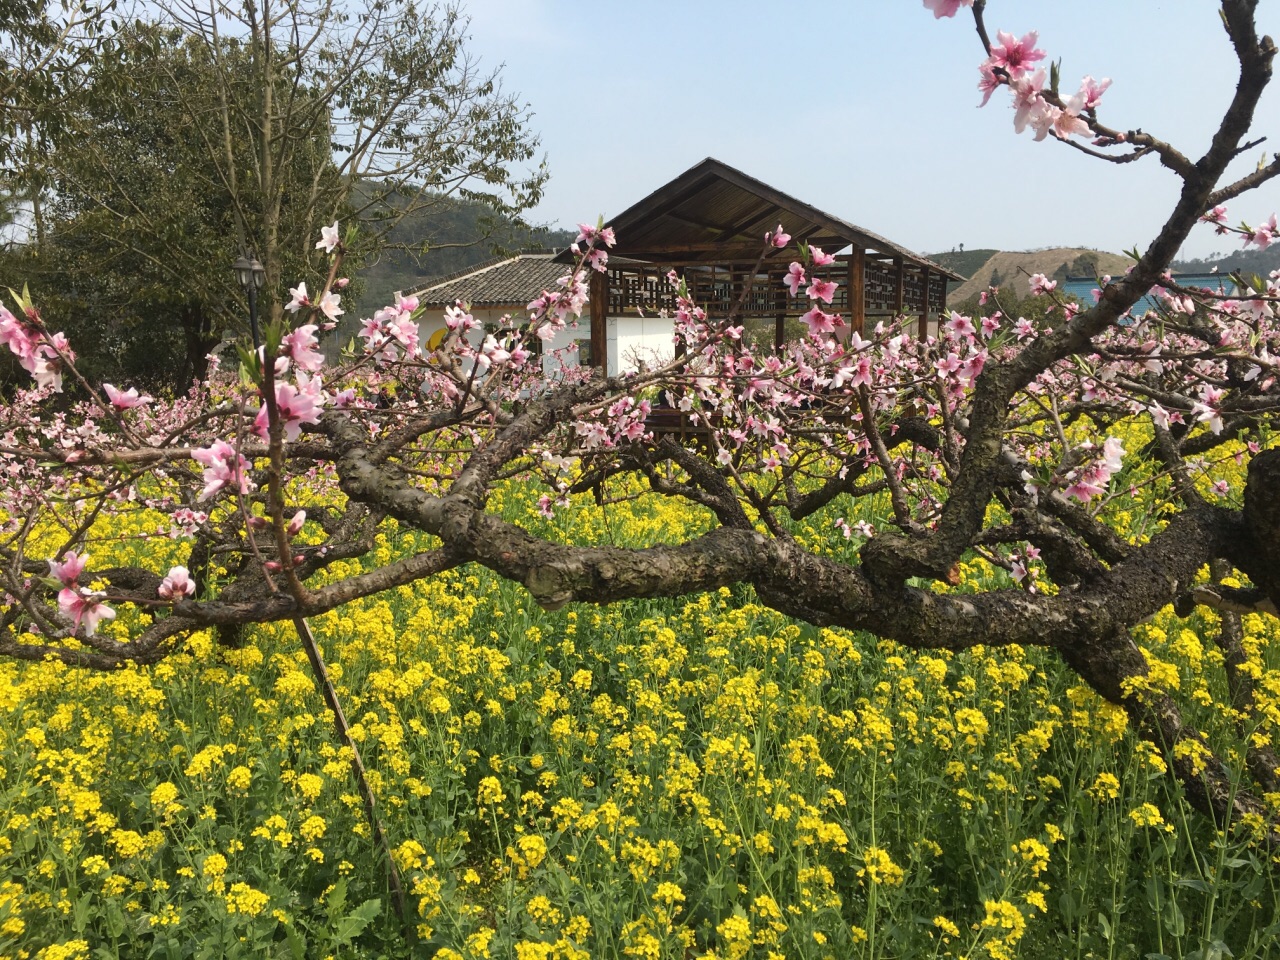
x=224 y=467
x=820 y=258
x=820 y=322
x=822 y=290
x=84 y=607
x=298 y=298
x=795 y=277
x=125 y=399
x=946 y=8
x=177 y=583
x=300 y=345
x=1091 y=92
x=68 y=570
x=1015 y=56
x=329 y=238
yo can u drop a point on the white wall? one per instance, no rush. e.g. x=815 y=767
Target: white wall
x=630 y=339
x=639 y=341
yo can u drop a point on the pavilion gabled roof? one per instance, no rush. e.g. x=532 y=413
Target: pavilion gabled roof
x=714 y=213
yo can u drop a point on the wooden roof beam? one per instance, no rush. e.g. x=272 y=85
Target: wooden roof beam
x=723 y=253
x=692 y=190
x=694 y=222
x=763 y=207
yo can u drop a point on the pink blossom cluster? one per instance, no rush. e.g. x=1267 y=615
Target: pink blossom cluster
x=40 y=354
x=623 y=421
x=1086 y=482
x=392 y=333
x=187 y=521
x=83 y=606
x=297 y=404
x=299 y=345
x=1261 y=236
x=552 y=311
x=224 y=469
x=1011 y=62
x=327 y=305
x=594 y=240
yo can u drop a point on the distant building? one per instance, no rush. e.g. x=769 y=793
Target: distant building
x=505 y=286
x=1082 y=288
x=708 y=226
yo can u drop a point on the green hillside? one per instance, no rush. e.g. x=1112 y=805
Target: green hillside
x=449 y=236
x=1250 y=261
x=964 y=262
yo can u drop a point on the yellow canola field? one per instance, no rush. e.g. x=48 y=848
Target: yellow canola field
x=698 y=777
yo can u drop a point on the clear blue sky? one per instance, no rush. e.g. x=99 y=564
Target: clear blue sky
x=867 y=109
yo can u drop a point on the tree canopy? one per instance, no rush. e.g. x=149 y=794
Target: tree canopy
x=204 y=135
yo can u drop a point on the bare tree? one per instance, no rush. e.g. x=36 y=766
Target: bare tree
x=409 y=115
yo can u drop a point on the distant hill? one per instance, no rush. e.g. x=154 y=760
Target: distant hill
x=964 y=262
x=1250 y=261
x=448 y=237
x=1002 y=267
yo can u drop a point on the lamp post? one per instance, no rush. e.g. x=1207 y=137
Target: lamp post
x=251 y=275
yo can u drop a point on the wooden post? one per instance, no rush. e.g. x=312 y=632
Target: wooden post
x=858 y=290
x=900 y=289
x=923 y=330
x=599 y=289
x=681 y=349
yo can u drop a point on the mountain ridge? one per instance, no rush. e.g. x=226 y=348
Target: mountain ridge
x=990 y=267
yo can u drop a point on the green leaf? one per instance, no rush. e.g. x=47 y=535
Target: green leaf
x=353 y=924
x=83 y=911
x=296 y=941
x=115 y=919
x=273 y=334
x=1171 y=916
x=1068 y=907
x=1153 y=893
x=250 y=365
x=337 y=900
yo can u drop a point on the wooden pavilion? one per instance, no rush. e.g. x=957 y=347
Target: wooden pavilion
x=709 y=223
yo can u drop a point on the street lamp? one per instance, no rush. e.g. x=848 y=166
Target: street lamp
x=251 y=275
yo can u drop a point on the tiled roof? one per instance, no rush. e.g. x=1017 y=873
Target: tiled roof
x=504 y=282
